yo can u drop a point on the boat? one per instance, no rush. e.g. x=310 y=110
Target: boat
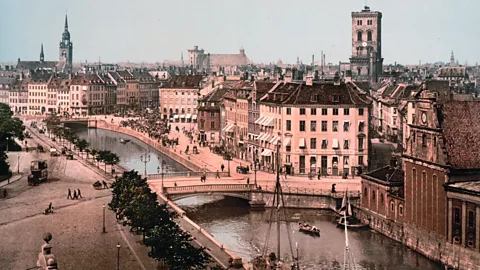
x=347 y=218
x=124 y=140
x=297 y=216
x=306 y=228
x=272 y=260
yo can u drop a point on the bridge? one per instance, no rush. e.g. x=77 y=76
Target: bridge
x=242 y=191
x=91 y=122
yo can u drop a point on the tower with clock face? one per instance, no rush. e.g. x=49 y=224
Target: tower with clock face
x=66 y=47
x=366 y=61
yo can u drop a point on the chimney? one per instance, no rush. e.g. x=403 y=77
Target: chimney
x=309 y=80
x=336 y=79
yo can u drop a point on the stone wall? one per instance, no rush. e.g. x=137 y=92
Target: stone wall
x=425 y=242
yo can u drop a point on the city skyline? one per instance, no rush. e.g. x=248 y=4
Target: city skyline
x=112 y=33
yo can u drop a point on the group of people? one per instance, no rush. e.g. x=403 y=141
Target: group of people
x=76 y=195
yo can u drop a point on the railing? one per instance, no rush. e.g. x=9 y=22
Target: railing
x=213 y=187
x=185 y=174
x=310 y=191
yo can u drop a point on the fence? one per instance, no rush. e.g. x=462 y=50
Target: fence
x=213 y=187
x=185 y=174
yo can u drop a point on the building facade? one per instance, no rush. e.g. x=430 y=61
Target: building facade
x=19 y=97
x=179 y=98
x=209 y=117
x=38 y=93
x=227 y=64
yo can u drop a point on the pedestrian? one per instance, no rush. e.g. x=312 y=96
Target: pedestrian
x=217 y=175
x=69 y=194
x=248 y=180
x=79 y=194
x=175 y=184
x=222 y=167
x=5 y=193
x=75 y=197
x=318 y=176
x=333 y=188
x=105 y=185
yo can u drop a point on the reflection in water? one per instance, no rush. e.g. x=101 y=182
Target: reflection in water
x=130 y=152
x=232 y=224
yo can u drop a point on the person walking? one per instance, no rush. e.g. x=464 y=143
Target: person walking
x=105 y=185
x=217 y=175
x=222 y=167
x=248 y=180
x=333 y=188
x=318 y=176
x=175 y=184
x=79 y=194
x=75 y=197
x=69 y=196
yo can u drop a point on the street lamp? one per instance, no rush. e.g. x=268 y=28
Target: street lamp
x=255 y=169
x=118 y=256
x=104 y=231
x=145 y=159
x=163 y=170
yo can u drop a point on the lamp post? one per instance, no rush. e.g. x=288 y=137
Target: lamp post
x=118 y=256
x=104 y=231
x=145 y=159
x=163 y=170
x=255 y=169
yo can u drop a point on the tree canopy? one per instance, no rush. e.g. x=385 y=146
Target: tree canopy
x=10 y=127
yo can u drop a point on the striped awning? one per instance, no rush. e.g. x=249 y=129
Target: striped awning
x=287 y=142
x=175 y=116
x=189 y=116
x=194 y=117
x=275 y=140
x=268 y=121
x=227 y=127
x=259 y=120
x=182 y=116
x=266 y=152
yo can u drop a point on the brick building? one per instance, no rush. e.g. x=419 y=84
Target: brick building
x=209 y=117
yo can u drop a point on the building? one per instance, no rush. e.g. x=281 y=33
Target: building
x=121 y=93
x=132 y=92
x=322 y=127
x=64 y=64
x=110 y=93
x=148 y=90
x=366 y=62
x=227 y=64
x=88 y=95
x=6 y=84
x=37 y=93
x=209 y=116
x=18 y=100
x=179 y=98
x=62 y=88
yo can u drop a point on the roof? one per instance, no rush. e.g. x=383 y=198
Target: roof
x=229 y=60
x=387 y=174
x=452 y=72
x=461 y=130
x=32 y=65
x=471 y=187
x=262 y=88
x=326 y=94
x=184 y=82
x=87 y=79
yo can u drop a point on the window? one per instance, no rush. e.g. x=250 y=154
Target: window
x=313 y=126
x=457 y=219
x=361 y=126
x=302 y=125
x=434 y=141
x=302 y=111
x=324 y=143
x=324 y=126
x=287 y=158
x=346 y=111
x=288 y=148
x=289 y=111
x=392 y=207
x=313 y=111
x=313 y=143
x=369 y=36
x=212 y=136
x=289 y=125
x=424 y=140
x=324 y=111
x=360 y=144
x=374 y=197
x=335 y=126
x=335 y=111
x=212 y=114
x=346 y=144
x=346 y=160
x=400 y=210
x=359 y=22
x=381 y=198
x=212 y=125
x=346 y=126
x=471 y=219
x=359 y=35
x=365 y=193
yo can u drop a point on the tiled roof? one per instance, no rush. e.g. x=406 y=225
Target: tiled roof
x=461 y=130
x=184 y=82
x=229 y=60
x=33 y=65
x=87 y=79
x=472 y=187
x=365 y=86
x=387 y=174
x=262 y=88
x=40 y=77
x=325 y=93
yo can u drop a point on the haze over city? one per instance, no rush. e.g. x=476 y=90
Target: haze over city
x=155 y=31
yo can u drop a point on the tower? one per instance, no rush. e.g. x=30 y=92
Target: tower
x=42 y=57
x=366 y=60
x=66 y=47
x=452 y=60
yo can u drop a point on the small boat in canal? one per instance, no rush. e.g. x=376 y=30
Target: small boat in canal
x=124 y=141
x=306 y=228
x=347 y=218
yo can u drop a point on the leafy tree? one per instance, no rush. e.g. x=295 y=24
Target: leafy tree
x=52 y=122
x=87 y=150
x=10 y=127
x=94 y=153
x=82 y=145
x=111 y=159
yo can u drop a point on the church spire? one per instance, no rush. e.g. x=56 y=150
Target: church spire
x=66 y=23
x=41 y=54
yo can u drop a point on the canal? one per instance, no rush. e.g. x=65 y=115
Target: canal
x=232 y=224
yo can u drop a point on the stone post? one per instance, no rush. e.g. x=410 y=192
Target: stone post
x=46 y=259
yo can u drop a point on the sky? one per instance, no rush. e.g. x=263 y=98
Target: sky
x=269 y=30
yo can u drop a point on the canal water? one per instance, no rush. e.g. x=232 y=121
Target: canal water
x=232 y=224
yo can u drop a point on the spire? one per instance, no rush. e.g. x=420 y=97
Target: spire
x=41 y=54
x=452 y=59
x=66 y=23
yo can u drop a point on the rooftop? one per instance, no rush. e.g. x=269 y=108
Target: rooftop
x=472 y=187
x=184 y=82
x=387 y=174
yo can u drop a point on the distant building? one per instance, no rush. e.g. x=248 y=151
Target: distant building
x=19 y=97
x=209 y=116
x=37 y=93
x=220 y=63
x=179 y=98
x=6 y=85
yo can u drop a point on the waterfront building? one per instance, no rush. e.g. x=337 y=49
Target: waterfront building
x=179 y=97
x=323 y=127
x=121 y=93
x=110 y=93
x=366 y=62
x=209 y=116
x=148 y=90
x=61 y=86
x=225 y=64
x=37 y=93
x=87 y=95
x=6 y=85
x=18 y=97
x=132 y=93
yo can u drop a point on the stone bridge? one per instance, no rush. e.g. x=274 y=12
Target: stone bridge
x=90 y=122
x=242 y=191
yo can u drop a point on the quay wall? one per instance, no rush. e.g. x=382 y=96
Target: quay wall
x=427 y=243
x=153 y=143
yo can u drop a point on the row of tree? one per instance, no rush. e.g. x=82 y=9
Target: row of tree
x=137 y=206
x=10 y=128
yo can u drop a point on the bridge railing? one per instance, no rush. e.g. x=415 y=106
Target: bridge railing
x=185 y=174
x=212 y=187
x=312 y=191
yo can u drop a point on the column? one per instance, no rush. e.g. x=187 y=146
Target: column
x=449 y=225
x=464 y=223
x=477 y=226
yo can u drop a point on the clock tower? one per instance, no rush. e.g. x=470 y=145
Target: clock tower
x=66 y=47
x=366 y=61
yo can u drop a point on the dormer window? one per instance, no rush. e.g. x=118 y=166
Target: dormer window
x=336 y=98
x=314 y=98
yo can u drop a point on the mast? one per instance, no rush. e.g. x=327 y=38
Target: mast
x=277 y=189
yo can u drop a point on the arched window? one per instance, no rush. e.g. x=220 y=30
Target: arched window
x=392 y=206
x=359 y=35
x=176 y=110
x=400 y=210
x=373 y=195
x=365 y=193
x=164 y=110
x=381 y=197
x=369 y=35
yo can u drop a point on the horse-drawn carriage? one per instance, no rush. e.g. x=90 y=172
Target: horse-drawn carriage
x=243 y=169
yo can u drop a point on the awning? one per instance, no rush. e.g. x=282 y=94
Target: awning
x=301 y=143
x=275 y=140
x=189 y=116
x=241 y=142
x=182 y=116
x=335 y=143
x=268 y=122
x=194 y=117
x=260 y=120
x=260 y=136
x=227 y=127
x=266 y=138
x=266 y=152
x=287 y=142
x=175 y=116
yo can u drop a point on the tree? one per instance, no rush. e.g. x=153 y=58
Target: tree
x=87 y=150
x=10 y=127
x=111 y=159
x=52 y=122
x=81 y=144
x=94 y=153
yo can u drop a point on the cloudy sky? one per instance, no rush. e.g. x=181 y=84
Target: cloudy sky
x=158 y=30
